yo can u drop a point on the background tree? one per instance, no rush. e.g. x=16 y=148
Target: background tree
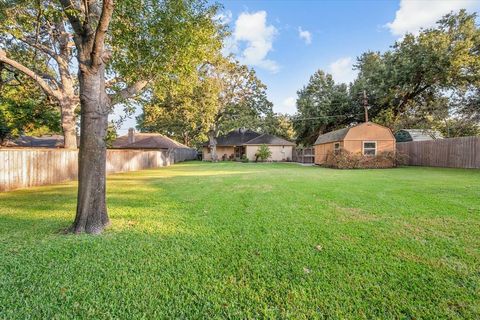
x=279 y=125
x=24 y=110
x=425 y=79
x=221 y=96
x=323 y=106
x=182 y=108
x=35 y=40
x=241 y=101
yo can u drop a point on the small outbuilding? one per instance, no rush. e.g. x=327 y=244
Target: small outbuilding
x=406 y=135
x=367 y=139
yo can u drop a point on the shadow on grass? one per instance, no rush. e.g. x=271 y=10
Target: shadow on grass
x=136 y=200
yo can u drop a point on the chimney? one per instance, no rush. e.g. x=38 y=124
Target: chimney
x=131 y=135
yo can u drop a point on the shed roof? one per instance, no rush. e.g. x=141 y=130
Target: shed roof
x=147 y=141
x=404 y=135
x=332 y=136
x=270 y=140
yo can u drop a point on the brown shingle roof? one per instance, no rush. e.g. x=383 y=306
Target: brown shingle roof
x=270 y=140
x=332 y=136
x=47 y=141
x=235 y=138
x=147 y=141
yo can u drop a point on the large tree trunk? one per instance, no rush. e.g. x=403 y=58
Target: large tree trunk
x=91 y=216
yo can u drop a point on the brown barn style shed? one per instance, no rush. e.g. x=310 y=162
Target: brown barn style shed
x=368 y=139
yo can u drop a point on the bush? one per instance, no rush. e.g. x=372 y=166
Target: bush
x=263 y=153
x=244 y=158
x=342 y=159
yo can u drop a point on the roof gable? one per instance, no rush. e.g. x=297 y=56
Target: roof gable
x=270 y=140
x=147 y=141
x=235 y=138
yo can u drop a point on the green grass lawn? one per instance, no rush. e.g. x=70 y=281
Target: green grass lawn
x=233 y=240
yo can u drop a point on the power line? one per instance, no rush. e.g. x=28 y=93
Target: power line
x=323 y=117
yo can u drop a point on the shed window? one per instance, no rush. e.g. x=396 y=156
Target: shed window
x=369 y=148
x=336 y=147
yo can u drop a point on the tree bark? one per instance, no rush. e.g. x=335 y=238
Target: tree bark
x=69 y=125
x=212 y=142
x=91 y=216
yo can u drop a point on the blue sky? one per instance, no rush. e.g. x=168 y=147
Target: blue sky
x=287 y=41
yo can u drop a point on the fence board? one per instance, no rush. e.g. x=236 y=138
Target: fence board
x=22 y=168
x=463 y=152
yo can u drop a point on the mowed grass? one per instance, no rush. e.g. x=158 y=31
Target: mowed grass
x=232 y=240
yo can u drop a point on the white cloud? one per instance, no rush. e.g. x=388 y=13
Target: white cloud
x=224 y=17
x=290 y=103
x=416 y=14
x=305 y=35
x=286 y=106
x=252 y=31
x=342 y=70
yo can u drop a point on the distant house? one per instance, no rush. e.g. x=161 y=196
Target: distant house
x=240 y=142
x=45 y=141
x=135 y=140
x=406 y=135
x=366 y=138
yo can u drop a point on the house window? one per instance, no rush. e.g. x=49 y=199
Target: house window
x=369 y=148
x=336 y=146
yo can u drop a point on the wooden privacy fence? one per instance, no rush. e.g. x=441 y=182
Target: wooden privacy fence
x=461 y=152
x=22 y=168
x=184 y=154
x=303 y=155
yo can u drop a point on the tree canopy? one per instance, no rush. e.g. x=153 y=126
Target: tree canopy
x=428 y=80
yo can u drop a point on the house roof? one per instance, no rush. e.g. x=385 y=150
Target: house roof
x=404 y=135
x=269 y=139
x=47 y=141
x=147 y=141
x=332 y=136
x=235 y=138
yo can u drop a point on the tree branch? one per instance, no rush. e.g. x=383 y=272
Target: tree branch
x=68 y=7
x=28 y=72
x=39 y=46
x=101 y=32
x=128 y=92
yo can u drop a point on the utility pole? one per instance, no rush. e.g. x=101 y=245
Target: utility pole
x=365 y=105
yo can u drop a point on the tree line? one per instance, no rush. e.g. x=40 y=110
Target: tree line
x=430 y=80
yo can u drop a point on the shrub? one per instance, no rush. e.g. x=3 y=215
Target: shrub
x=263 y=153
x=342 y=159
x=244 y=158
